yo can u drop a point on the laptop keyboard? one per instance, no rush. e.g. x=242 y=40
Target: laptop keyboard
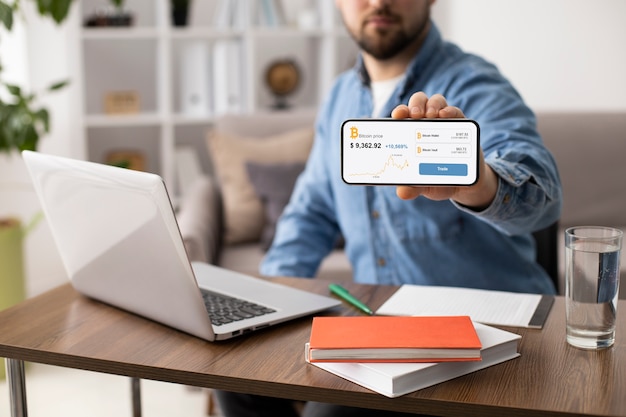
x=224 y=309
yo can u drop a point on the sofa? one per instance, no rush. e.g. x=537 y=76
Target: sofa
x=228 y=217
x=227 y=220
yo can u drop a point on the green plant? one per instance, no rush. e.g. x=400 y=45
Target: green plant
x=22 y=122
x=118 y=4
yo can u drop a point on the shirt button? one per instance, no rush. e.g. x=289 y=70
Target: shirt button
x=506 y=198
x=375 y=214
x=381 y=262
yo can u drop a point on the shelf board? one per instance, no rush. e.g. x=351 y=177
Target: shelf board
x=183 y=119
x=146 y=119
x=205 y=33
x=105 y=120
x=120 y=33
x=269 y=32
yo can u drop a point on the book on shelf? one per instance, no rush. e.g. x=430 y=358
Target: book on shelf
x=223 y=17
x=270 y=13
x=228 y=90
x=195 y=86
x=396 y=379
x=393 y=339
x=230 y=14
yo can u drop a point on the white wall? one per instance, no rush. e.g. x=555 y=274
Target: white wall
x=36 y=54
x=560 y=54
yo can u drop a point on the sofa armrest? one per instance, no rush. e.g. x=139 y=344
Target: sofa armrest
x=200 y=220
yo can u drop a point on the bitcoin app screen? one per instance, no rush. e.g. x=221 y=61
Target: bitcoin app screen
x=410 y=152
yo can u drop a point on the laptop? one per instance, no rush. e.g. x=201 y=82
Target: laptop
x=118 y=238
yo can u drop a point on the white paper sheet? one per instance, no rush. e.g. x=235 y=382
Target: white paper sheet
x=485 y=306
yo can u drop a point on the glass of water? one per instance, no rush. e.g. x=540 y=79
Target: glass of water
x=592 y=255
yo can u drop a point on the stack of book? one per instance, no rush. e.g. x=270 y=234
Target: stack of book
x=397 y=355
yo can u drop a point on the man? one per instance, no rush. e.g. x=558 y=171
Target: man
x=477 y=236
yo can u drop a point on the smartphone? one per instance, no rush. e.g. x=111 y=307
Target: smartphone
x=410 y=152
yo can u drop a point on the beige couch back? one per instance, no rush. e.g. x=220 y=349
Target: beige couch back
x=590 y=151
x=262 y=124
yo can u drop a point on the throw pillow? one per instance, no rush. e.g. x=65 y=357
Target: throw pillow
x=243 y=210
x=273 y=184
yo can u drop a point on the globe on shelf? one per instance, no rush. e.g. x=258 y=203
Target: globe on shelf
x=282 y=78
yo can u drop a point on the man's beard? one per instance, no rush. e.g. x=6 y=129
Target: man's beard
x=386 y=48
x=385 y=44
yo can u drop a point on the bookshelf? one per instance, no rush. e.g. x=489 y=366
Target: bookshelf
x=151 y=87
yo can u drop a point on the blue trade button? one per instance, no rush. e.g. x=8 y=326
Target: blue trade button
x=443 y=169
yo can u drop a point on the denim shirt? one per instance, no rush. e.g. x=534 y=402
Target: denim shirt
x=392 y=241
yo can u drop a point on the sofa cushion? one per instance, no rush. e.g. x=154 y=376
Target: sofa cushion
x=243 y=210
x=273 y=184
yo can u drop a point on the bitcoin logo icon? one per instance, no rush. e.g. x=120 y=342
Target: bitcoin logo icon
x=354 y=132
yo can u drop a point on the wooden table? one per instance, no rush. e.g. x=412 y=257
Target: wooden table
x=550 y=378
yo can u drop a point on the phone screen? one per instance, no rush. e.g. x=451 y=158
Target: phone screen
x=410 y=152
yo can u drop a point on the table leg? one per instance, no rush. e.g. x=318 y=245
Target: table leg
x=135 y=386
x=17 y=387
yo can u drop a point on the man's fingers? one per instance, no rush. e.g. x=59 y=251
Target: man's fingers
x=434 y=105
x=437 y=193
x=451 y=112
x=420 y=106
x=417 y=105
x=400 y=112
x=407 y=193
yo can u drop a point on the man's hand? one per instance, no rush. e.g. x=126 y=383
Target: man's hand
x=478 y=196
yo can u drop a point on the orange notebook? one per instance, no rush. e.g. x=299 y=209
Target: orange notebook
x=393 y=339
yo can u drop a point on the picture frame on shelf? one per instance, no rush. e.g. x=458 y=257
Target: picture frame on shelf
x=121 y=102
x=127 y=158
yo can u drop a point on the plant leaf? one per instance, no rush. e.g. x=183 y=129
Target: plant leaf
x=14 y=89
x=57 y=9
x=6 y=15
x=43 y=6
x=58 y=85
x=43 y=116
x=30 y=139
x=4 y=143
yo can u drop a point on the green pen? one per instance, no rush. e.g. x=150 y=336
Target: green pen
x=345 y=295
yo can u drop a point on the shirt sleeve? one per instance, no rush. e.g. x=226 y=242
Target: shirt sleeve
x=529 y=191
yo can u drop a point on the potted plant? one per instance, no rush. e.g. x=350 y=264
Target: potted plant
x=22 y=123
x=180 y=12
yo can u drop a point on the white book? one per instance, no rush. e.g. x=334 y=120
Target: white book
x=195 y=87
x=227 y=77
x=268 y=15
x=223 y=16
x=240 y=14
x=396 y=379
